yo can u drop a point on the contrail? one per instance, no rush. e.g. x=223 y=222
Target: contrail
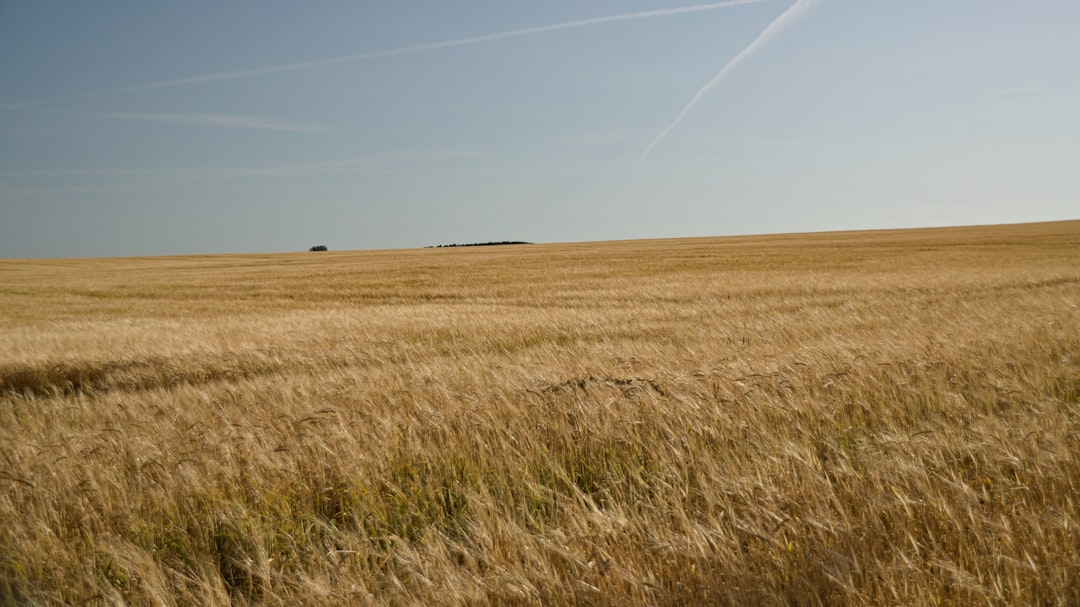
x=405 y=50
x=793 y=12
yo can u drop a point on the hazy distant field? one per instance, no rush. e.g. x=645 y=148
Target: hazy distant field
x=836 y=419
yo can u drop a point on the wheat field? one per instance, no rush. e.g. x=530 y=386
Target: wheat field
x=859 y=418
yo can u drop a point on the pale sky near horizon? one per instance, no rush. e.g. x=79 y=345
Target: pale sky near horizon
x=152 y=128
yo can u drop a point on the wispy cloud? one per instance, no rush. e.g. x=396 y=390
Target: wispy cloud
x=405 y=50
x=23 y=183
x=87 y=174
x=212 y=120
x=796 y=10
x=218 y=120
x=351 y=165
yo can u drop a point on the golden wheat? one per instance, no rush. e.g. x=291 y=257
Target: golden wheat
x=827 y=419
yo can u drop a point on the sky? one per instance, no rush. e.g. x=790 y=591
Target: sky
x=132 y=128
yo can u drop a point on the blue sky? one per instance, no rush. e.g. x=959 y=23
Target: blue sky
x=147 y=128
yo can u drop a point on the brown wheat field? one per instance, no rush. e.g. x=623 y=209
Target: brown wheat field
x=858 y=418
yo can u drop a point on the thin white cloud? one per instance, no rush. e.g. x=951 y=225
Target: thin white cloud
x=343 y=166
x=113 y=180
x=340 y=166
x=796 y=10
x=418 y=48
x=218 y=120
x=90 y=173
x=352 y=165
x=211 y=120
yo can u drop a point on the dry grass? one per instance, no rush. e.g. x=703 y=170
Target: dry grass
x=835 y=419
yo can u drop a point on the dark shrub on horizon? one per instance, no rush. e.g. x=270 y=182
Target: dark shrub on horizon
x=478 y=244
x=320 y=247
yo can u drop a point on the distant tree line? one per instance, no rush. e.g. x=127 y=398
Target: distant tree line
x=477 y=244
x=318 y=247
